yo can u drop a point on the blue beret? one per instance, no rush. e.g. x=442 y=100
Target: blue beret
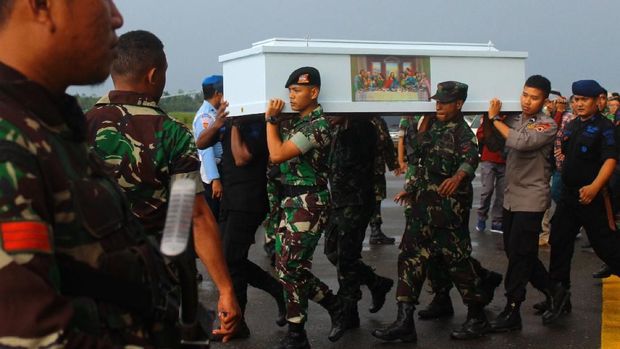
x=587 y=88
x=213 y=80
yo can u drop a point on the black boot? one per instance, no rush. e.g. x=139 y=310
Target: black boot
x=509 y=319
x=294 y=340
x=440 y=306
x=351 y=315
x=542 y=307
x=403 y=328
x=558 y=296
x=603 y=273
x=335 y=306
x=378 y=238
x=475 y=326
x=378 y=293
x=490 y=282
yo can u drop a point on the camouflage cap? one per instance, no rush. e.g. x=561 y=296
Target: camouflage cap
x=304 y=76
x=450 y=91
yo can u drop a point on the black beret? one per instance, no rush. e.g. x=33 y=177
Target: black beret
x=304 y=76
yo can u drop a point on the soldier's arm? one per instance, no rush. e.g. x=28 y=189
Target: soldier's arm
x=209 y=250
x=279 y=151
x=391 y=159
x=468 y=162
x=33 y=314
x=241 y=153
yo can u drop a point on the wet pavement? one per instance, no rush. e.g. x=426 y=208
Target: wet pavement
x=580 y=329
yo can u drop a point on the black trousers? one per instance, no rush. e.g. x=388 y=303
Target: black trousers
x=214 y=204
x=238 y=229
x=521 y=231
x=569 y=216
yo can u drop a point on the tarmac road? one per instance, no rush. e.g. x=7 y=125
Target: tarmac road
x=580 y=329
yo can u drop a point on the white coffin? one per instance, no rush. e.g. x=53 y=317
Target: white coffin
x=254 y=75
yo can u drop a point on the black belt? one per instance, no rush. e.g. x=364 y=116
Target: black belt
x=297 y=190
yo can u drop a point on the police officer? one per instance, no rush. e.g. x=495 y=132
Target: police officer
x=117 y=127
x=302 y=151
x=60 y=213
x=211 y=117
x=591 y=153
x=440 y=195
x=529 y=144
x=385 y=155
x=351 y=185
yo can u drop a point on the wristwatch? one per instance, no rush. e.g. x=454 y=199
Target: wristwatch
x=272 y=120
x=496 y=118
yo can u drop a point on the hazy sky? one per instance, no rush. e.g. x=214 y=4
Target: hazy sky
x=566 y=40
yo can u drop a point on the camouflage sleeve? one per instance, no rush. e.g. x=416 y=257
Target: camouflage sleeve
x=182 y=153
x=316 y=134
x=32 y=312
x=468 y=152
x=403 y=125
x=387 y=146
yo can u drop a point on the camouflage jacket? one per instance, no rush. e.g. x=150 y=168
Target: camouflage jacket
x=57 y=208
x=312 y=135
x=386 y=152
x=145 y=148
x=352 y=163
x=408 y=129
x=444 y=149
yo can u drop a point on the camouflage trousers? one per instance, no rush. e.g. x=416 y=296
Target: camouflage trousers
x=296 y=239
x=423 y=246
x=375 y=214
x=343 y=247
x=437 y=272
x=272 y=220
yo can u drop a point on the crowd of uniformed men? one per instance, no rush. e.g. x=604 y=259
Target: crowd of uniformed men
x=83 y=199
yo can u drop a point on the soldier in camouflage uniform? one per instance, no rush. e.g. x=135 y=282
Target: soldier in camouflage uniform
x=440 y=196
x=146 y=150
x=352 y=165
x=272 y=220
x=72 y=257
x=384 y=155
x=302 y=153
x=437 y=274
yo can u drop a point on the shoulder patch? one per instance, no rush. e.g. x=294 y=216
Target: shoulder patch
x=25 y=236
x=539 y=127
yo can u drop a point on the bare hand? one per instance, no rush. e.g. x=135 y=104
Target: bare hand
x=221 y=114
x=587 y=194
x=274 y=107
x=448 y=186
x=216 y=189
x=495 y=106
x=402 y=198
x=229 y=314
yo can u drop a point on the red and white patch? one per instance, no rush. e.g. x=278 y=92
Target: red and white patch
x=539 y=127
x=303 y=79
x=17 y=237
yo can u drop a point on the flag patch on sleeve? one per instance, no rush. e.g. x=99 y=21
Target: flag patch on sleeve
x=29 y=236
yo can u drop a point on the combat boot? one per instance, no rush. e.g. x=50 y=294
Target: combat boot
x=542 y=307
x=475 y=326
x=378 y=293
x=294 y=340
x=488 y=285
x=403 y=328
x=603 y=273
x=440 y=306
x=558 y=296
x=509 y=319
x=378 y=238
x=335 y=306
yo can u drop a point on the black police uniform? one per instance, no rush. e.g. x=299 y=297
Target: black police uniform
x=586 y=145
x=243 y=208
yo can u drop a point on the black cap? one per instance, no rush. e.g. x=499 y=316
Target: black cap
x=304 y=76
x=450 y=91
